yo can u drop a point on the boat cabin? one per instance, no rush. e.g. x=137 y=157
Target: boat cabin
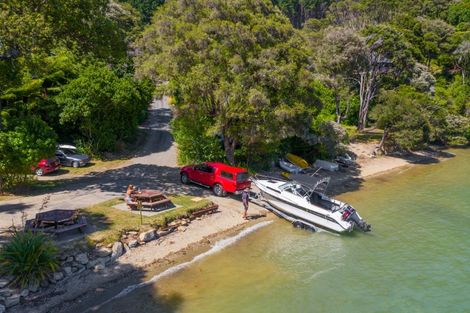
x=310 y=192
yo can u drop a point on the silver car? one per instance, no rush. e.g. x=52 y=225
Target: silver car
x=69 y=156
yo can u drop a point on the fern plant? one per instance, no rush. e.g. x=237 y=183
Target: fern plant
x=28 y=257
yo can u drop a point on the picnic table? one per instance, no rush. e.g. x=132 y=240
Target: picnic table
x=56 y=221
x=151 y=198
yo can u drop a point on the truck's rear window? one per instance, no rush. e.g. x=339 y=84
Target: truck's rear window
x=241 y=177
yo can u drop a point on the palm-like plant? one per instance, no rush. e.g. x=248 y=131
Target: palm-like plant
x=28 y=257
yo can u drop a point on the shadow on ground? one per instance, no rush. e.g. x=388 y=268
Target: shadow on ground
x=143 y=176
x=12 y=209
x=94 y=293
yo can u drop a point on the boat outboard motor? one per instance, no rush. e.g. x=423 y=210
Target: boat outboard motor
x=350 y=214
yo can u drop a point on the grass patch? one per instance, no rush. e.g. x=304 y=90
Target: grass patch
x=95 y=166
x=6 y=197
x=37 y=187
x=365 y=136
x=111 y=223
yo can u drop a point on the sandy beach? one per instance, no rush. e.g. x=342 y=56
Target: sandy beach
x=75 y=294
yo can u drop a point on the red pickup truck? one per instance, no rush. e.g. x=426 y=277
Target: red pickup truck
x=222 y=178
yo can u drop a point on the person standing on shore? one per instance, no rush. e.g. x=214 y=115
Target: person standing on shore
x=245 y=200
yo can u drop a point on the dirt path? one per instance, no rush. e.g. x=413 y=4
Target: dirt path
x=154 y=166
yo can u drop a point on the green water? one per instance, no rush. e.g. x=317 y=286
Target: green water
x=416 y=259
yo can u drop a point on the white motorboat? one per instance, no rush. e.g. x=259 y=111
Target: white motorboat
x=303 y=201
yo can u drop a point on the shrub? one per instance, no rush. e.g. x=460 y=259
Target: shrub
x=333 y=137
x=28 y=257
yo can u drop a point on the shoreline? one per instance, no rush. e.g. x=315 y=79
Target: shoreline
x=136 y=265
x=144 y=261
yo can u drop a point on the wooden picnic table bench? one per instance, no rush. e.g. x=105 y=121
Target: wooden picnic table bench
x=56 y=222
x=150 y=198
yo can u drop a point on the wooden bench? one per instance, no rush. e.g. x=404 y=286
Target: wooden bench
x=164 y=202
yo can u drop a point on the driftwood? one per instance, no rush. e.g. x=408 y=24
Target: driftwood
x=212 y=208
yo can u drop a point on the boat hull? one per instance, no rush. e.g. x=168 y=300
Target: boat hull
x=296 y=212
x=289 y=167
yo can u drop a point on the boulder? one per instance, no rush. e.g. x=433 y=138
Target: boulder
x=80 y=269
x=4 y=281
x=117 y=249
x=92 y=263
x=133 y=233
x=24 y=293
x=67 y=270
x=105 y=260
x=147 y=236
x=82 y=258
x=44 y=283
x=69 y=259
x=58 y=276
x=6 y=292
x=33 y=287
x=182 y=228
x=133 y=243
x=99 y=267
x=103 y=252
x=12 y=301
x=162 y=233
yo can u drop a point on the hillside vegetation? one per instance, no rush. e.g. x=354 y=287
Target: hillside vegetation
x=248 y=79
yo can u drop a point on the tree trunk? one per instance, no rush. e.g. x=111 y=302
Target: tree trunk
x=382 y=141
x=229 y=148
x=367 y=87
x=338 y=109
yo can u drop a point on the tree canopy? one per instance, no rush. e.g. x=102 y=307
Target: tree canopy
x=242 y=65
x=248 y=80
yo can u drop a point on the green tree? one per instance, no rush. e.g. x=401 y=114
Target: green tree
x=300 y=11
x=146 y=8
x=402 y=121
x=459 y=12
x=240 y=63
x=26 y=141
x=103 y=108
x=363 y=62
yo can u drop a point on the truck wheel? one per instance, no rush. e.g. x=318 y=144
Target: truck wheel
x=184 y=178
x=219 y=190
x=39 y=172
x=75 y=164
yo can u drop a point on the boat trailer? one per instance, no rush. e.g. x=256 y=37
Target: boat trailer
x=257 y=199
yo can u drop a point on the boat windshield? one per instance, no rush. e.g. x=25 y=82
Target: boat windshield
x=296 y=189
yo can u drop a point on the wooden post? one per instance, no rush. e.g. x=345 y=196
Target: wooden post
x=139 y=205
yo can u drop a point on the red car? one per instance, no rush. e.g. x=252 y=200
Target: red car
x=222 y=178
x=46 y=166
